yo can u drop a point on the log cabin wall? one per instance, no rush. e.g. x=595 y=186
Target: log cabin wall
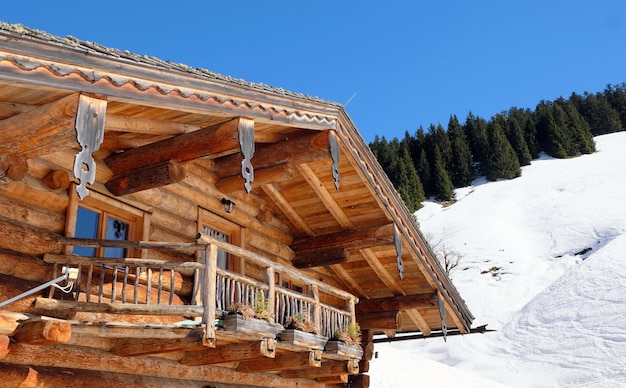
x=152 y=152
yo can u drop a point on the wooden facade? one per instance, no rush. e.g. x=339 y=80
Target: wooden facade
x=157 y=196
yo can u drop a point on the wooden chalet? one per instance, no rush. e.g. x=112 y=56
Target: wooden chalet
x=141 y=200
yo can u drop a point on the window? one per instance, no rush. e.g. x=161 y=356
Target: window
x=100 y=217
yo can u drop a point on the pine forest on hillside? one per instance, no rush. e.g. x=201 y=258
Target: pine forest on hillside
x=432 y=163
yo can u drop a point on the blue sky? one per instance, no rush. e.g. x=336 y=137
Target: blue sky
x=398 y=64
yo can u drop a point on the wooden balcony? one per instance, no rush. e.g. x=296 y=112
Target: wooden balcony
x=184 y=303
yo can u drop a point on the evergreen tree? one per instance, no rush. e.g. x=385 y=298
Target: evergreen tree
x=516 y=137
x=475 y=129
x=599 y=113
x=444 y=190
x=582 y=138
x=502 y=161
x=407 y=182
x=461 y=170
x=616 y=95
x=549 y=134
x=440 y=139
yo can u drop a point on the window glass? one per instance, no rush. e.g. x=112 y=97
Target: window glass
x=86 y=227
x=116 y=230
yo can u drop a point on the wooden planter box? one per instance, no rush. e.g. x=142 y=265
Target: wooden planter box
x=251 y=326
x=343 y=349
x=303 y=339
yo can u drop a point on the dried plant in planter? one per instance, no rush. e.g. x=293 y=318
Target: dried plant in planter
x=243 y=309
x=351 y=335
x=259 y=311
x=301 y=321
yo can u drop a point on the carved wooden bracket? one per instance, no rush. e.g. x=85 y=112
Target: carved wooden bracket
x=315 y=358
x=246 y=142
x=398 y=244
x=442 y=314
x=334 y=154
x=89 y=126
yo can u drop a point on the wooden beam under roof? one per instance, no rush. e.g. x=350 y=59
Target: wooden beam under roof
x=277 y=198
x=304 y=149
x=403 y=302
x=42 y=130
x=321 y=257
x=349 y=239
x=213 y=141
x=325 y=196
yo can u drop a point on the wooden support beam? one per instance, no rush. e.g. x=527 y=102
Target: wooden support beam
x=321 y=257
x=57 y=179
x=24 y=266
x=232 y=353
x=4 y=345
x=305 y=149
x=403 y=302
x=348 y=280
x=214 y=141
x=350 y=239
x=12 y=168
x=43 y=332
x=384 y=320
x=324 y=195
x=33 y=376
x=277 y=198
x=280 y=173
x=284 y=361
x=42 y=130
x=83 y=358
x=381 y=271
x=419 y=321
x=360 y=381
x=328 y=368
x=147 y=126
x=341 y=380
x=146 y=177
x=22 y=237
x=10 y=321
x=142 y=346
x=47 y=304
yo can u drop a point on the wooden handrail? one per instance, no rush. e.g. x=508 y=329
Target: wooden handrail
x=264 y=263
x=209 y=273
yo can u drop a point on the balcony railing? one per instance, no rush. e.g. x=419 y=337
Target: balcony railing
x=193 y=289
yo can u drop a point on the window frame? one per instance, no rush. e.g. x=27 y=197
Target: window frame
x=138 y=219
x=234 y=231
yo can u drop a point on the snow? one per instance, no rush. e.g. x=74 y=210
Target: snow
x=543 y=263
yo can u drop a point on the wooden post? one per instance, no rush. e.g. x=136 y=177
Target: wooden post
x=317 y=312
x=271 y=291
x=352 y=307
x=209 y=289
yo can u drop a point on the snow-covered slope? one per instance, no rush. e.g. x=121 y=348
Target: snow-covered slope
x=544 y=263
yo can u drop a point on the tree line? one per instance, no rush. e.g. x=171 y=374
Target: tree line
x=432 y=163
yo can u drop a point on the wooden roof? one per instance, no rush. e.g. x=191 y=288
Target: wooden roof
x=149 y=101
